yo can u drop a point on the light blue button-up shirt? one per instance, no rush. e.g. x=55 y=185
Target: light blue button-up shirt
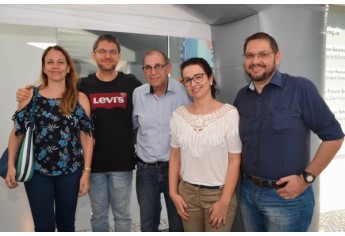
x=151 y=115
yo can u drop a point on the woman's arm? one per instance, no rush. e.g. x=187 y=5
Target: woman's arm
x=219 y=208
x=87 y=146
x=14 y=143
x=13 y=149
x=174 y=175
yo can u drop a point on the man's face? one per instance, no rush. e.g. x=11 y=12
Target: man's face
x=106 y=56
x=156 y=70
x=260 y=61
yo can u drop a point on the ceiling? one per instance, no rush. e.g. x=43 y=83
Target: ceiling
x=216 y=14
x=79 y=41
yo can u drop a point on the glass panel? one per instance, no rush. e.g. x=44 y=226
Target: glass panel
x=79 y=42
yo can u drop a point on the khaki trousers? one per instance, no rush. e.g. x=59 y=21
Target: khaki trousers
x=199 y=200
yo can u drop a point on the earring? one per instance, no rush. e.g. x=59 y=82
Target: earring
x=211 y=83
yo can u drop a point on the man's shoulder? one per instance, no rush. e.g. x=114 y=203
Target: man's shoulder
x=297 y=80
x=89 y=76
x=140 y=89
x=176 y=86
x=86 y=82
x=127 y=76
x=130 y=78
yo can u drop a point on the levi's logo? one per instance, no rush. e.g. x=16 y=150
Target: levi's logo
x=108 y=100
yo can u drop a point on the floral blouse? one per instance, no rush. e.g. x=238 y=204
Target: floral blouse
x=57 y=147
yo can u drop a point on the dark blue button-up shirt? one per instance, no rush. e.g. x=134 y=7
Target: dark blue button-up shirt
x=275 y=125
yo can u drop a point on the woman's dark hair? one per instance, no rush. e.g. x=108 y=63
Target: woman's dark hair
x=206 y=67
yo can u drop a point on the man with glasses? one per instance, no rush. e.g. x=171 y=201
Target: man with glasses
x=110 y=93
x=277 y=112
x=153 y=104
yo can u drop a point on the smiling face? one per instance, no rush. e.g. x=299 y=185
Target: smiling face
x=260 y=61
x=156 y=70
x=197 y=84
x=106 y=56
x=55 y=65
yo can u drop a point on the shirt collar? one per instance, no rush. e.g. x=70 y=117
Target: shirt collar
x=170 y=87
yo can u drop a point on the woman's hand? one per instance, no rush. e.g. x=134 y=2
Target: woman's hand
x=218 y=212
x=181 y=206
x=84 y=184
x=11 y=178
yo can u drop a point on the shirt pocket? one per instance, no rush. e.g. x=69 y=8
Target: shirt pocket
x=285 y=120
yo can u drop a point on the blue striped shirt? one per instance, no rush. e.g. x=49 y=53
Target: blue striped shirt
x=151 y=114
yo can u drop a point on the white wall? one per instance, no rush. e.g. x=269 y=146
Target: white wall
x=19 y=65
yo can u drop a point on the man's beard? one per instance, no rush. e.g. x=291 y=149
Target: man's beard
x=263 y=77
x=107 y=69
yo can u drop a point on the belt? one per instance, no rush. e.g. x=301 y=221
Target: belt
x=263 y=182
x=158 y=164
x=205 y=186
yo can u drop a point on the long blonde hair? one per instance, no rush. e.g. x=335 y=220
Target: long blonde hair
x=70 y=96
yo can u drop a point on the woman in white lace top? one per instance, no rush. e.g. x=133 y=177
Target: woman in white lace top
x=205 y=153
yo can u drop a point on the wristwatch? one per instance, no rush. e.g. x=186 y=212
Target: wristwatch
x=308 y=177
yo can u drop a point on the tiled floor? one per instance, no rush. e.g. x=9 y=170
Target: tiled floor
x=329 y=222
x=163 y=226
x=333 y=221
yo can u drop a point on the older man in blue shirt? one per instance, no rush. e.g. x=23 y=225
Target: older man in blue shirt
x=153 y=104
x=277 y=114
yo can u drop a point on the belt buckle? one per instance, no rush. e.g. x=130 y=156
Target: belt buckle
x=262 y=182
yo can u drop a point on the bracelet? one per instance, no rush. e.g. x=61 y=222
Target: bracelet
x=87 y=168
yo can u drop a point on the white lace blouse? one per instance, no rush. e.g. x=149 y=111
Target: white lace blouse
x=204 y=142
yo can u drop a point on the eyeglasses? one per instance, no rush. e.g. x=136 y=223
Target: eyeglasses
x=157 y=67
x=260 y=55
x=102 y=52
x=197 y=78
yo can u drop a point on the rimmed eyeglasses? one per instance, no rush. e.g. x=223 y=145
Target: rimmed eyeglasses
x=103 y=52
x=260 y=55
x=157 y=67
x=197 y=78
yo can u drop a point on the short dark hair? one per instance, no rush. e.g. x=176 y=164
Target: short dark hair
x=150 y=51
x=109 y=38
x=264 y=36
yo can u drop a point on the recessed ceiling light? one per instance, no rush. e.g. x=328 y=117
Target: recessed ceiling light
x=41 y=45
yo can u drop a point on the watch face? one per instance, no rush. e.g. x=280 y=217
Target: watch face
x=310 y=178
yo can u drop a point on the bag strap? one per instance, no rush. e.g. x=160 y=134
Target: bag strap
x=32 y=111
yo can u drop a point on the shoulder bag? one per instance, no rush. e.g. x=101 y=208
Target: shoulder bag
x=25 y=160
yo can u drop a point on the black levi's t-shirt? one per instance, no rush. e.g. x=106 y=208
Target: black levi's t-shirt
x=111 y=104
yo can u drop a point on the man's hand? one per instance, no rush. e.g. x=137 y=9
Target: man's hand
x=23 y=93
x=295 y=186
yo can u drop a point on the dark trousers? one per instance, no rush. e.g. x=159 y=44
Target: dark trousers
x=151 y=181
x=53 y=201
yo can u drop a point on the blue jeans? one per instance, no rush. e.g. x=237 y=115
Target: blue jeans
x=53 y=201
x=151 y=181
x=264 y=210
x=111 y=189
